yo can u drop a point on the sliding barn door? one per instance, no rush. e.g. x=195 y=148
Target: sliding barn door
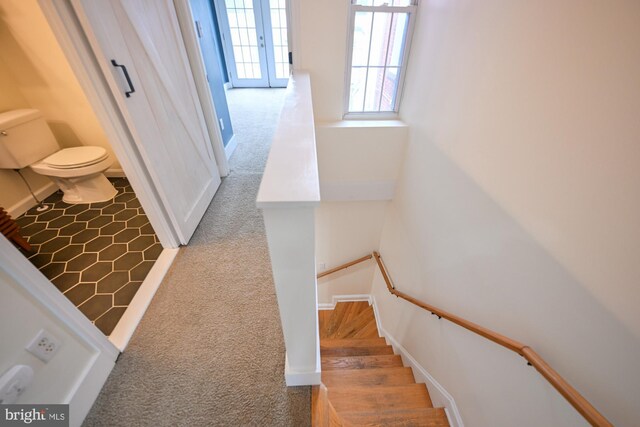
x=140 y=49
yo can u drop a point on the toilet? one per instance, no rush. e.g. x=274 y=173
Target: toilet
x=26 y=140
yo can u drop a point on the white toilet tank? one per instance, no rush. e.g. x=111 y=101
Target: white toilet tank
x=25 y=138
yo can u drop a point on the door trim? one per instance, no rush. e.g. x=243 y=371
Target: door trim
x=74 y=44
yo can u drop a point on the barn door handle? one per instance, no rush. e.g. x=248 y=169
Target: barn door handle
x=126 y=76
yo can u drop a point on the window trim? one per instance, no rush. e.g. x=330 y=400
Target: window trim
x=377 y=115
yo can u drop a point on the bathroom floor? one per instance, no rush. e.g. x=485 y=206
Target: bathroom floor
x=97 y=254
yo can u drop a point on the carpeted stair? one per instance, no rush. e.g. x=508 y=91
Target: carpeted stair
x=363 y=382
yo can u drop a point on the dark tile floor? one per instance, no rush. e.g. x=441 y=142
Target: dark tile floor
x=97 y=254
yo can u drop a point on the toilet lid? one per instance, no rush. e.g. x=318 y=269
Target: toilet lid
x=75 y=157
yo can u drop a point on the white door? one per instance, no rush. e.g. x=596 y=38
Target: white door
x=141 y=51
x=255 y=41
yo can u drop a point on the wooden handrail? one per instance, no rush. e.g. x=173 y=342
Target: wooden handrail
x=487 y=333
x=343 y=266
x=576 y=400
x=572 y=395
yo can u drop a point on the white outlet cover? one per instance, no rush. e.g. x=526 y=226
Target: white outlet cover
x=44 y=346
x=14 y=382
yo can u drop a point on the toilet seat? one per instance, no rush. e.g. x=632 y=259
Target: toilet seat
x=75 y=157
x=74 y=162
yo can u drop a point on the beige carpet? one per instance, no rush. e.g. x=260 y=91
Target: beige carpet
x=209 y=351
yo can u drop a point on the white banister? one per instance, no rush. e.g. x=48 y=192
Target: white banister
x=288 y=195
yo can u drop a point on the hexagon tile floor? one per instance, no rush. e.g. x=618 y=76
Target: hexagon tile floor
x=97 y=254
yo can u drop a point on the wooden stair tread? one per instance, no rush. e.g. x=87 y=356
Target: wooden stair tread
x=350 y=327
x=354 y=306
x=357 y=351
x=368 y=377
x=353 y=342
x=360 y=362
x=370 y=330
x=354 y=347
x=343 y=313
x=426 y=417
x=363 y=382
x=371 y=399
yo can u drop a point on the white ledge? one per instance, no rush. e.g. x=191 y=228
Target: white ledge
x=290 y=177
x=363 y=124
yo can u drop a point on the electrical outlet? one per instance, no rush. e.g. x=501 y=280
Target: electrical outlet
x=44 y=346
x=14 y=382
x=221 y=124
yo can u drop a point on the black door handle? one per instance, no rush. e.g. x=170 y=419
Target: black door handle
x=126 y=76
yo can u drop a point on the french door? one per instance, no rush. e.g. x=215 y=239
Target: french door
x=139 y=47
x=255 y=41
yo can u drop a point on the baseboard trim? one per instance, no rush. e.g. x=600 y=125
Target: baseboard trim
x=438 y=393
x=376 y=313
x=133 y=314
x=297 y=378
x=231 y=147
x=344 y=298
x=115 y=173
x=28 y=202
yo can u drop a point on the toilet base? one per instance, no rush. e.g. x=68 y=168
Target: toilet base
x=94 y=188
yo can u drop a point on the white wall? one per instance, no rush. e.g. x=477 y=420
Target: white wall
x=320 y=43
x=359 y=163
x=35 y=74
x=360 y=160
x=518 y=205
x=22 y=319
x=11 y=97
x=346 y=231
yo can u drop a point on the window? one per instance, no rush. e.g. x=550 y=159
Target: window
x=379 y=33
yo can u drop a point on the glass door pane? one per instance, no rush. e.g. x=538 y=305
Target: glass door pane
x=246 y=43
x=256 y=41
x=280 y=63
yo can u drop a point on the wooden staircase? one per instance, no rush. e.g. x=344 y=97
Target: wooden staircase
x=363 y=382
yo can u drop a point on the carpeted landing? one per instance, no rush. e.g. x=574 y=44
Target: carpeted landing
x=209 y=351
